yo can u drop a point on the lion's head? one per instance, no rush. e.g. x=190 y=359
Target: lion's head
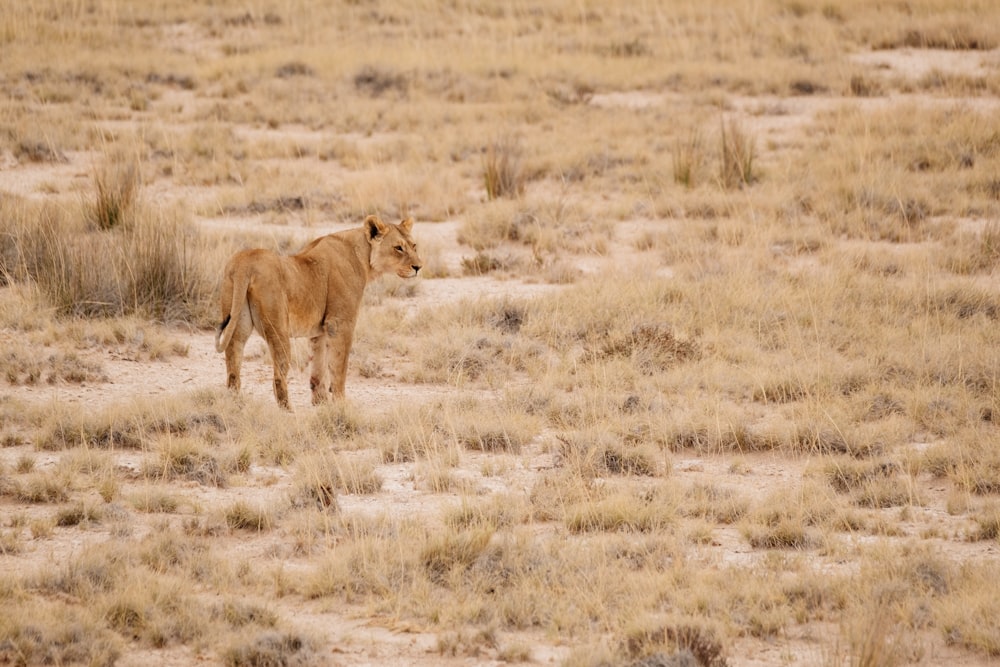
x=393 y=249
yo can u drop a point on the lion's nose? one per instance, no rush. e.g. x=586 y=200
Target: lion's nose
x=416 y=269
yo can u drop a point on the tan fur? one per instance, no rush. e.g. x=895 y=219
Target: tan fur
x=315 y=294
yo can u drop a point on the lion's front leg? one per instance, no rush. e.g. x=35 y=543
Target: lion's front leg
x=319 y=376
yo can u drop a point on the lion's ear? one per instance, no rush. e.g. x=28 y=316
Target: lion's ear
x=375 y=228
x=406 y=225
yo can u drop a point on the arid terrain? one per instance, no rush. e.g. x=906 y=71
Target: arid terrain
x=702 y=367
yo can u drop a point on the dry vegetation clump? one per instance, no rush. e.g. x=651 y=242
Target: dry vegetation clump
x=137 y=426
x=600 y=453
x=188 y=459
x=243 y=515
x=412 y=433
x=271 y=648
x=148 y=264
x=674 y=642
x=21 y=365
x=112 y=597
x=962 y=614
x=503 y=173
x=721 y=505
x=631 y=512
x=320 y=477
x=738 y=154
x=53 y=633
x=495 y=513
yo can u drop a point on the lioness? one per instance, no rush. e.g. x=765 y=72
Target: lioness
x=315 y=293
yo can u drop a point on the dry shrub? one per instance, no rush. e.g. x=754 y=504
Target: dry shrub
x=338 y=421
x=284 y=649
x=188 y=458
x=652 y=346
x=691 y=641
x=846 y=475
x=135 y=425
x=320 y=477
x=242 y=515
x=21 y=364
x=503 y=175
x=598 y=453
x=721 y=505
x=786 y=519
x=55 y=633
x=494 y=222
x=40 y=487
x=954 y=34
x=738 y=153
x=967 y=615
x=873 y=640
x=553 y=493
x=77 y=514
x=689 y=159
x=486 y=428
x=116 y=194
x=483 y=263
x=496 y=512
x=150 y=265
x=413 y=432
x=642 y=512
x=445 y=552
x=987 y=524
x=154 y=500
x=973 y=254
x=376 y=82
x=785 y=533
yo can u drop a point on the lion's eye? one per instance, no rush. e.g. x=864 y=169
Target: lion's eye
x=399 y=248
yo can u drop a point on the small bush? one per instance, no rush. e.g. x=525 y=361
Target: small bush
x=503 y=175
x=244 y=516
x=187 y=458
x=116 y=195
x=125 y=260
x=688 y=158
x=375 y=82
x=271 y=649
x=738 y=154
x=55 y=634
x=453 y=550
x=73 y=516
x=642 y=513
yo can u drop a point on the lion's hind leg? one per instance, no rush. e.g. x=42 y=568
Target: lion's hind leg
x=319 y=376
x=275 y=332
x=242 y=328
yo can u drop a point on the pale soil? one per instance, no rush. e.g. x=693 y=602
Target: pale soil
x=350 y=636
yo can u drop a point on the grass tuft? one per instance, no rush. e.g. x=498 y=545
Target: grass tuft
x=503 y=175
x=738 y=153
x=116 y=194
x=688 y=159
x=271 y=648
x=243 y=515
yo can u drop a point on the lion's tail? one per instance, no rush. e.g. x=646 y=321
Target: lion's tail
x=241 y=283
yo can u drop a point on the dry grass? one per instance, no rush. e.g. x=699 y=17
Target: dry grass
x=503 y=174
x=779 y=417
